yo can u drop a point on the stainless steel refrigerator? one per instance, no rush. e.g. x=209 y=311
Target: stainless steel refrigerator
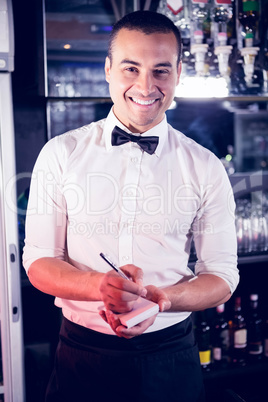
x=11 y=339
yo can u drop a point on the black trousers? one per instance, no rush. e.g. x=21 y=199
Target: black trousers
x=94 y=367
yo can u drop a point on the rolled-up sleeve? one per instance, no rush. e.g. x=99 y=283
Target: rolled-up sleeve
x=214 y=228
x=45 y=230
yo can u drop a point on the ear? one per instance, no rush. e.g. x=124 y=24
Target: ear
x=107 y=69
x=179 y=73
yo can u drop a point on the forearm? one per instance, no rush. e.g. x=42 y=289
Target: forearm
x=61 y=279
x=198 y=293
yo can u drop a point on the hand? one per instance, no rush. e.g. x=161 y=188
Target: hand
x=119 y=294
x=154 y=294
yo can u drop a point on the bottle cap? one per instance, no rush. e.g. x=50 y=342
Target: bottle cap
x=220 y=308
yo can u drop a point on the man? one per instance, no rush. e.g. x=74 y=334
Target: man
x=94 y=191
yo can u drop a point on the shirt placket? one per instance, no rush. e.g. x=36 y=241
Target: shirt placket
x=129 y=195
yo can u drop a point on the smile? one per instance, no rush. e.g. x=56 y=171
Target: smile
x=143 y=102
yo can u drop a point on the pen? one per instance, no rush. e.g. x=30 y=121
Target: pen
x=118 y=270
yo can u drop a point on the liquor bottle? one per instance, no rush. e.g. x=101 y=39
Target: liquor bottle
x=238 y=335
x=220 y=338
x=263 y=55
x=200 y=11
x=249 y=19
x=266 y=339
x=255 y=336
x=222 y=14
x=203 y=335
x=199 y=33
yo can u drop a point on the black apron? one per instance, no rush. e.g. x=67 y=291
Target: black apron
x=154 y=367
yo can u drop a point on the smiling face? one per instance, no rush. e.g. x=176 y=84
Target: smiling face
x=142 y=77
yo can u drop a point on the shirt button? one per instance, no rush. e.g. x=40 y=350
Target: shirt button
x=134 y=160
x=125 y=258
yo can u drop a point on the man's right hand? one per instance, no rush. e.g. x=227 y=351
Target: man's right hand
x=119 y=294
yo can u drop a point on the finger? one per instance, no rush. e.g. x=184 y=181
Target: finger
x=108 y=317
x=134 y=272
x=102 y=313
x=129 y=288
x=137 y=330
x=158 y=296
x=119 y=307
x=120 y=295
x=164 y=304
x=113 y=321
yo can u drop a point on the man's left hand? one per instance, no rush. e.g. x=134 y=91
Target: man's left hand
x=154 y=294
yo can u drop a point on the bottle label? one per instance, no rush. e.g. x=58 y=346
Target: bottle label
x=223 y=2
x=205 y=357
x=240 y=338
x=255 y=348
x=217 y=355
x=175 y=6
x=250 y=5
x=249 y=40
x=225 y=339
x=200 y=1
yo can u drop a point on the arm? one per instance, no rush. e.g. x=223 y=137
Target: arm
x=61 y=279
x=198 y=293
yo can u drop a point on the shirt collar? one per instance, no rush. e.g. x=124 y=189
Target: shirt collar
x=161 y=130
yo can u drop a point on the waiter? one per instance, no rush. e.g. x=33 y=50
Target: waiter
x=135 y=188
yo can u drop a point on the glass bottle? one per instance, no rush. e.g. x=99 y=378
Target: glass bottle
x=203 y=335
x=249 y=19
x=238 y=335
x=255 y=347
x=263 y=55
x=266 y=339
x=220 y=338
x=200 y=11
x=222 y=14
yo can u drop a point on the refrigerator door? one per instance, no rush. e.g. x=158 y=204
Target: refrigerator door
x=11 y=353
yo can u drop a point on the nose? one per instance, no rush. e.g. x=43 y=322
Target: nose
x=145 y=84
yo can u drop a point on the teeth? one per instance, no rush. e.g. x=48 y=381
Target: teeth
x=143 y=102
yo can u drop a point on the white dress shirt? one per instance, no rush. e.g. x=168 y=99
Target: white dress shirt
x=88 y=197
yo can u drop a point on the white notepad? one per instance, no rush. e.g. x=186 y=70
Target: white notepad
x=142 y=310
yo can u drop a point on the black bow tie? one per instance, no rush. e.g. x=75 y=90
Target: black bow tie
x=148 y=144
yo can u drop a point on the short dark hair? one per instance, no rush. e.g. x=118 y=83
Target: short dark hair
x=147 y=22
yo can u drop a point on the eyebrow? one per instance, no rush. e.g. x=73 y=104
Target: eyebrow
x=135 y=63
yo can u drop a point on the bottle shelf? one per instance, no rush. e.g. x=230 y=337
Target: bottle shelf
x=252 y=258
x=234 y=98
x=242 y=259
x=248 y=369
x=248 y=383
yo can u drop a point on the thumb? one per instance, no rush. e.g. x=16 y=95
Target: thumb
x=160 y=297
x=164 y=304
x=163 y=301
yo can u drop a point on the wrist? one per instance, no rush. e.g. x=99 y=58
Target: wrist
x=93 y=285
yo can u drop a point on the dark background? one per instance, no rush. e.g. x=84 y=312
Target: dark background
x=209 y=123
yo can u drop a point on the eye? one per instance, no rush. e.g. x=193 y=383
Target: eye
x=131 y=69
x=161 y=72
